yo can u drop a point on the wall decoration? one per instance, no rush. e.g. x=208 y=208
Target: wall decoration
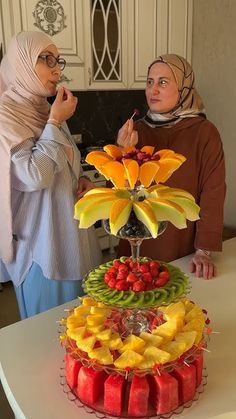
x=49 y=16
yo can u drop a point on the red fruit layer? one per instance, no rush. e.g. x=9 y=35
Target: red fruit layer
x=136 y=276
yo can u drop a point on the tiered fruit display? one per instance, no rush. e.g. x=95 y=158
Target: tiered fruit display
x=154 y=373
x=134 y=345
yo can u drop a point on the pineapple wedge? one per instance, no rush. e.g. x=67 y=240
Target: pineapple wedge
x=151 y=339
x=166 y=330
x=133 y=343
x=76 y=333
x=127 y=359
x=104 y=335
x=175 y=349
x=102 y=355
x=95 y=319
x=152 y=356
x=86 y=344
x=114 y=342
x=187 y=337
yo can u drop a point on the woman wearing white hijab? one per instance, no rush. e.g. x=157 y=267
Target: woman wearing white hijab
x=41 y=249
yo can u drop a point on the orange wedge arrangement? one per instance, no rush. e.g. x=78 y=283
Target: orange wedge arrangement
x=142 y=171
x=125 y=167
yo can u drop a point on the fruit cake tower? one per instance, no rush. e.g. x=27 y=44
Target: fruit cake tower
x=134 y=344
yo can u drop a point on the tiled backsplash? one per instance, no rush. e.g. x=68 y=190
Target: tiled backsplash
x=100 y=114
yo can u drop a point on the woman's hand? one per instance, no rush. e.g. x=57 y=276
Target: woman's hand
x=84 y=185
x=127 y=136
x=203 y=266
x=63 y=106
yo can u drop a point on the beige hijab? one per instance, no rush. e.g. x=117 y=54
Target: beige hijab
x=189 y=104
x=23 y=114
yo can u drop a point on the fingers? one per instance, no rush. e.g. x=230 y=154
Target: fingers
x=126 y=135
x=203 y=266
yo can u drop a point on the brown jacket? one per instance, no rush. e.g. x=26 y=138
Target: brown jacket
x=202 y=174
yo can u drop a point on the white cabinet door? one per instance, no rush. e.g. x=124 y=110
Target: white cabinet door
x=105 y=36
x=156 y=27
x=62 y=20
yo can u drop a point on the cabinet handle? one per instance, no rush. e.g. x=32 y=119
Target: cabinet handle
x=89 y=76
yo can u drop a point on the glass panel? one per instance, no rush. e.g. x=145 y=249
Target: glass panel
x=106 y=40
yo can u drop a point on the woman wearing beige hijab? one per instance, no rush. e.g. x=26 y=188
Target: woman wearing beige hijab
x=41 y=249
x=176 y=120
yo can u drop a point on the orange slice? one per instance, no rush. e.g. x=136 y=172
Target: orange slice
x=131 y=171
x=112 y=150
x=97 y=158
x=167 y=167
x=148 y=149
x=115 y=171
x=147 y=172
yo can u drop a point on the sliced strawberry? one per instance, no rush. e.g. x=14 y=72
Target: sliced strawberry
x=138 y=286
x=112 y=283
x=154 y=265
x=144 y=268
x=147 y=277
x=161 y=281
x=122 y=285
x=132 y=278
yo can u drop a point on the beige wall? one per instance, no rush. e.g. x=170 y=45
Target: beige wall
x=214 y=62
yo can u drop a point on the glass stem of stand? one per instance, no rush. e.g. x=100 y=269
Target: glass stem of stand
x=135 y=247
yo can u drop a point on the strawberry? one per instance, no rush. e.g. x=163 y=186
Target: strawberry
x=144 y=268
x=164 y=274
x=121 y=275
x=147 y=277
x=154 y=265
x=131 y=278
x=154 y=272
x=138 y=286
x=161 y=281
x=117 y=263
x=122 y=285
x=112 y=270
x=112 y=283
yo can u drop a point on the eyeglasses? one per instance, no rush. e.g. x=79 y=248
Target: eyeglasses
x=53 y=61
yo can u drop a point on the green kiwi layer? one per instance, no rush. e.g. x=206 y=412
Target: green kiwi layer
x=175 y=288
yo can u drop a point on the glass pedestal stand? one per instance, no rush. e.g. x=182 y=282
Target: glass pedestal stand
x=137 y=320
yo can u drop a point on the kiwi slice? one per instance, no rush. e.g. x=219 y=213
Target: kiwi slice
x=170 y=296
x=160 y=296
x=127 y=298
x=149 y=298
x=177 y=287
x=123 y=259
x=108 y=294
x=138 y=299
x=117 y=296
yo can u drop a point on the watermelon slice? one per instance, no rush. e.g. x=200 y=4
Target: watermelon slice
x=113 y=394
x=198 y=363
x=72 y=370
x=163 y=392
x=90 y=385
x=138 y=397
x=186 y=377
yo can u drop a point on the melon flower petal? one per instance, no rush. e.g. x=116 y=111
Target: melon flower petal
x=119 y=214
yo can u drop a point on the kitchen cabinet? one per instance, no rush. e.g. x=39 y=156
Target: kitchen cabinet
x=122 y=37
x=106 y=43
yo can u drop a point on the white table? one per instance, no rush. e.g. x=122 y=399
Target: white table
x=30 y=354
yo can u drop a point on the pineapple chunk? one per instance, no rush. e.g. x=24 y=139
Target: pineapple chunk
x=81 y=311
x=100 y=311
x=114 y=342
x=174 y=310
x=167 y=330
x=187 y=337
x=104 y=334
x=95 y=319
x=188 y=305
x=151 y=339
x=88 y=301
x=133 y=343
x=102 y=354
x=152 y=356
x=96 y=329
x=174 y=348
x=128 y=359
x=76 y=333
x=86 y=344
x=195 y=312
x=74 y=322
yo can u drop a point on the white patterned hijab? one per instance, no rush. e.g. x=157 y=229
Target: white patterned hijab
x=189 y=104
x=24 y=111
